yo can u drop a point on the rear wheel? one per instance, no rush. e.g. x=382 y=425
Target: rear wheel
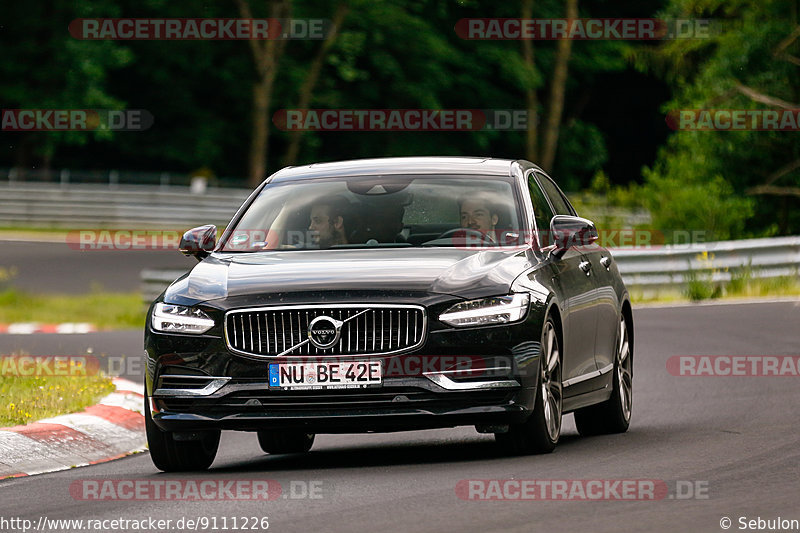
x=172 y=455
x=540 y=433
x=613 y=415
x=285 y=442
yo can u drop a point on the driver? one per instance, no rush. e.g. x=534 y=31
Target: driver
x=480 y=214
x=328 y=220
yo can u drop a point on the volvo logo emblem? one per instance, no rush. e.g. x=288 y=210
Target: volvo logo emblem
x=324 y=332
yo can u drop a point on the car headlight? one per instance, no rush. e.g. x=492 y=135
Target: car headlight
x=494 y=310
x=180 y=319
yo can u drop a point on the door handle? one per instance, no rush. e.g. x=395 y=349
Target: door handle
x=606 y=262
x=586 y=266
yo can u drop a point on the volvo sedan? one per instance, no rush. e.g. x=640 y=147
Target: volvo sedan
x=387 y=295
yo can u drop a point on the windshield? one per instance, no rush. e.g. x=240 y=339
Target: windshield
x=380 y=211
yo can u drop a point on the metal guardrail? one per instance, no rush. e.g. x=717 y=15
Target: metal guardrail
x=648 y=272
x=112 y=177
x=668 y=268
x=129 y=206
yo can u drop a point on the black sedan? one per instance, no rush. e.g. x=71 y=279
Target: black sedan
x=387 y=295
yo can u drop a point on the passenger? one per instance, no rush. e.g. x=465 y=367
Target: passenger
x=328 y=222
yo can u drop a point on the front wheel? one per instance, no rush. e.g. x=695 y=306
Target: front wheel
x=171 y=455
x=285 y=442
x=613 y=415
x=540 y=433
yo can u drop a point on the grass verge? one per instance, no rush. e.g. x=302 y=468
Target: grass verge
x=739 y=287
x=109 y=310
x=27 y=399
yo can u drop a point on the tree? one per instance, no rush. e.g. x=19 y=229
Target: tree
x=266 y=57
x=44 y=67
x=732 y=184
x=310 y=82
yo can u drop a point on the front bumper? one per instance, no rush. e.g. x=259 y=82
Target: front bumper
x=399 y=404
x=425 y=394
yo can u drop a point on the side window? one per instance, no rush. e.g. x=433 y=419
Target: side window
x=541 y=212
x=560 y=203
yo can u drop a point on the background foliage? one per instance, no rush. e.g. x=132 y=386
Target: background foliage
x=613 y=139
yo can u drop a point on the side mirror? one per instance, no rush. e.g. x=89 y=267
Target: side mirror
x=569 y=231
x=199 y=242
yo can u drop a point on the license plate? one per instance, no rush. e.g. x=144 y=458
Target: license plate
x=325 y=375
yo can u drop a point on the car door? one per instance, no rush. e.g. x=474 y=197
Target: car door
x=608 y=306
x=601 y=271
x=574 y=281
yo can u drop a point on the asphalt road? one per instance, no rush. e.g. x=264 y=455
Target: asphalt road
x=737 y=438
x=56 y=267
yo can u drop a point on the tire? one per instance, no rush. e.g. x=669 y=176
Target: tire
x=285 y=442
x=170 y=455
x=614 y=414
x=541 y=431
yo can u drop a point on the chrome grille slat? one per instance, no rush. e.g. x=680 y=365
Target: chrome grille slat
x=275 y=331
x=283 y=331
x=258 y=323
x=408 y=322
x=250 y=323
x=382 y=329
x=291 y=331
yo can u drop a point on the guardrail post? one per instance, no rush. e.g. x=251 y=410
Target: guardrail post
x=64 y=177
x=165 y=180
x=113 y=178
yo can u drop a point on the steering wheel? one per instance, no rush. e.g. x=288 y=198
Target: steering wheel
x=466 y=231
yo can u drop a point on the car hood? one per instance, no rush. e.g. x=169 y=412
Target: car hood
x=464 y=273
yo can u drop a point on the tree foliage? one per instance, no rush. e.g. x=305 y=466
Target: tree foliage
x=710 y=180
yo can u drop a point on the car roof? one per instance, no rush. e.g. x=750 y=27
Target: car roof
x=463 y=166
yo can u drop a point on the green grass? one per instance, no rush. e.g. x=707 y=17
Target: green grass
x=744 y=287
x=107 y=310
x=27 y=399
x=741 y=286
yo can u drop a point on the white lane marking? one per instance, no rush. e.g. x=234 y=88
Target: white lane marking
x=118 y=438
x=28 y=456
x=131 y=402
x=126 y=385
x=795 y=301
x=65 y=328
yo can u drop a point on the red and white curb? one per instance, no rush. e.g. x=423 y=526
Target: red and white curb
x=109 y=430
x=29 y=328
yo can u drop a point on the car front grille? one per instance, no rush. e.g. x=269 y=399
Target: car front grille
x=367 y=329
